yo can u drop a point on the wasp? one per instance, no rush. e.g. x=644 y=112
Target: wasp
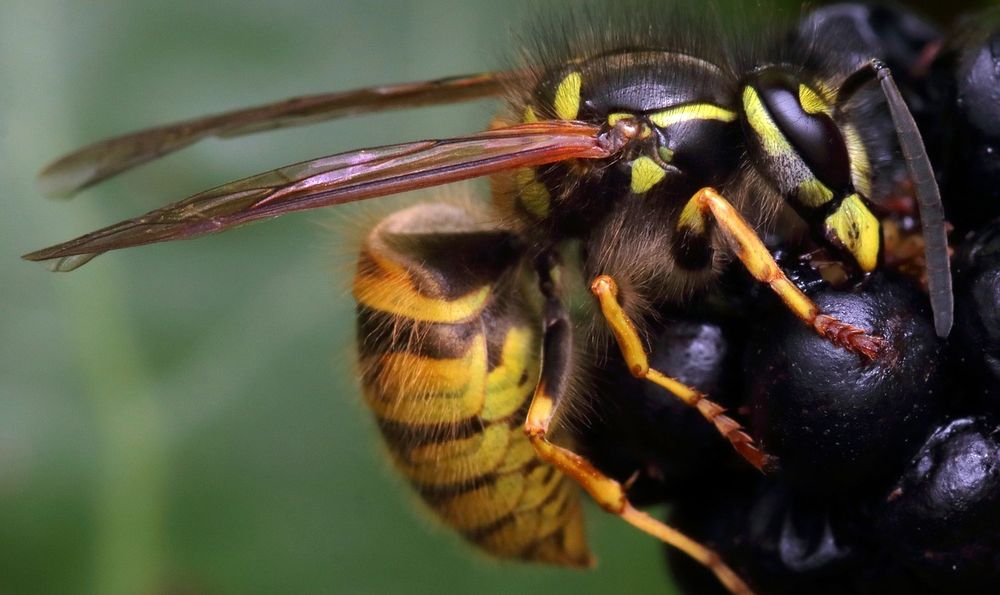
x=642 y=149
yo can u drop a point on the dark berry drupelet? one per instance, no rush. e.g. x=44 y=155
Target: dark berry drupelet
x=942 y=517
x=976 y=338
x=837 y=421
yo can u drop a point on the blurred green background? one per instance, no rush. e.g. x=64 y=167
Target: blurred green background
x=184 y=418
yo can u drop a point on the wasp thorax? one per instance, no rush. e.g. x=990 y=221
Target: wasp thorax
x=680 y=117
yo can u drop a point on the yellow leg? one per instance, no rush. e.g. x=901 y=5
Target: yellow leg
x=610 y=495
x=606 y=291
x=744 y=242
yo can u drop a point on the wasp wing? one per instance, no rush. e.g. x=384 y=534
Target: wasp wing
x=341 y=178
x=101 y=160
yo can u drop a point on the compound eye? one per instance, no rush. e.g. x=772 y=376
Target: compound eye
x=799 y=114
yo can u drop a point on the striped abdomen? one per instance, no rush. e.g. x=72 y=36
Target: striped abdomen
x=449 y=357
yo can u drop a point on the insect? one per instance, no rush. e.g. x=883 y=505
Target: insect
x=631 y=148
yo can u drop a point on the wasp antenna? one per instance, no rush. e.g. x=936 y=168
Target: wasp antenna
x=932 y=222
x=918 y=166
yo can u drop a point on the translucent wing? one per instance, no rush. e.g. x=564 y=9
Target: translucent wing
x=346 y=177
x=93 y=163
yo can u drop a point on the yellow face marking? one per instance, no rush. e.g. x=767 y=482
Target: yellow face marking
x=771 y=138
x=696 y=111
x=646 y=173
x=813 y=193
x=532 y=194
x=812 y=102
x=861 y=169
x=567 y=99
x=529 y=115
x=854 y=226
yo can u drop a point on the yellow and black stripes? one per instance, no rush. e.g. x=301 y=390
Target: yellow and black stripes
x=814 y=162
x=450 y=377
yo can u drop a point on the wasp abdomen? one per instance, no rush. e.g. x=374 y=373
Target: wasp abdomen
x=449 y=356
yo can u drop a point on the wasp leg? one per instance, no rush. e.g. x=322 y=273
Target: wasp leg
x=743 y=241
x=608 y=493
x=606 y=291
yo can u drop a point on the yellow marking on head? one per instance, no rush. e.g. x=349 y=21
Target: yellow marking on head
x=505 y=391
x=618 y=117
x=861 y=169
x=529 y=115
x=855 y=227
x=646 y=173
x=813 y=193
x=532 y=194
x=770 y=137
x=567 y=99
x=692 y=218
x=389 y=289
x=695 y=111
x=812 y=102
